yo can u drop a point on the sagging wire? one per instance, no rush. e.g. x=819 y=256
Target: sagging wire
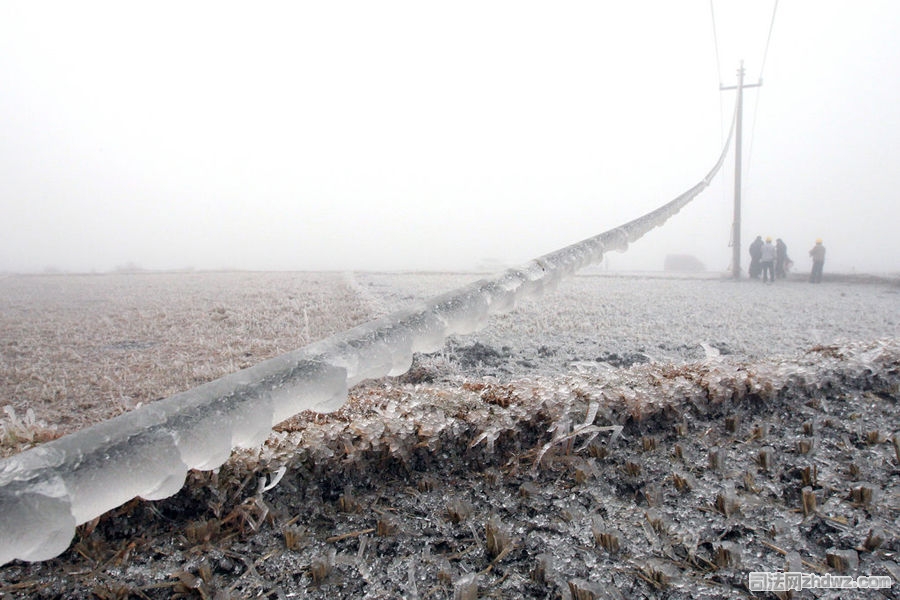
x=712 y=13
x=756 y=100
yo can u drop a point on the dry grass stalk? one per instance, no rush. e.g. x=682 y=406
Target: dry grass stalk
x=648 y=443
x=202 y=532
x=528 y=490
x=732 y=423
x=759 y=431
x=386 y=526
x=727 y=555
x=682 y=484
x=427 y=484
x=750 y=483
x=444 y=571
x=543 y=569
x=810 y=475
x=349 y=534
x=632 y=468
x=659 y=573
x=113 y=591
x=466 y=587
x=585 y=590
x=874 y=540
x=653 y=494
x=727 y=504
x=498 y=541
x=809 y=501
x=492 y=477
x=842 y=561
x=320 y=569
x=862 y=494
x=584 y=470
x=766 y=458
x=188 y=583
x=805 y=446
x=812 y=566
x=608 y=540
x=598 y=451
x=656 y=521
x=809 y=428
x=347 y=503
x=716 y=459
x=293 y=536
x=458 y=510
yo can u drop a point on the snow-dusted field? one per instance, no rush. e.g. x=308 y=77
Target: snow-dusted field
x=78 y=349
x=592 y=321
x=758 y=432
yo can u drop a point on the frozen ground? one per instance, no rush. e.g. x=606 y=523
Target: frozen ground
x=758 y=432
x=599 y=321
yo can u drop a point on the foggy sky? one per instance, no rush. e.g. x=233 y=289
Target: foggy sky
x=418 y=135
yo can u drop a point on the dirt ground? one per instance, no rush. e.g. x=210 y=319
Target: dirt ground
x=491 y=471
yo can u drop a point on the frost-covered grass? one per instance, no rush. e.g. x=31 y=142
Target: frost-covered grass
x=649 y=481
x=78 y=349
x=594 y=320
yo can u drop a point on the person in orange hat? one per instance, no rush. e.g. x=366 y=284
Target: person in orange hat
x=818 y=257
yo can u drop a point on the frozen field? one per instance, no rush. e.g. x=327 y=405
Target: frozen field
x=77 y=349
x=597 y=321
x=494 y=467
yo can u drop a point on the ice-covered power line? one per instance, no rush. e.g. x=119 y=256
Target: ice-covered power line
x=45 y=492
x=712 y=12
x=743 y=39
x=756 y=100
x=762 y=67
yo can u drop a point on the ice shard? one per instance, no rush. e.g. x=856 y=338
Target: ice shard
x=48 y=490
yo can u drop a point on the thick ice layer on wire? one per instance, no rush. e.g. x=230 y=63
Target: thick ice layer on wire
x=48 y=490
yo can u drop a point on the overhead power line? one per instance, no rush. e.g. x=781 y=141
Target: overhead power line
x=712 y=13
x=768 y=39
x=756 y=100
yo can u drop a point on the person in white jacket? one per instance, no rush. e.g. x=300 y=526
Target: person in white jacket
x=767 y=261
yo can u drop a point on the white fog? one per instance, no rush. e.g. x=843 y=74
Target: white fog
x=402 y=135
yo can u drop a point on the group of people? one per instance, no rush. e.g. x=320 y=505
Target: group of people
x=771 y=260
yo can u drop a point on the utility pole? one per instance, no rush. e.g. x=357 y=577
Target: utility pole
x=736 y=224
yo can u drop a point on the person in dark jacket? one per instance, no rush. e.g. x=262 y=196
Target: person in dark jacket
x=818 y=257
x=767 y=261
x=755 y=255
x=781 y=258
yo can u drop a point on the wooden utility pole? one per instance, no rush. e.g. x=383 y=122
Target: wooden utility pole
x=736 y=224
